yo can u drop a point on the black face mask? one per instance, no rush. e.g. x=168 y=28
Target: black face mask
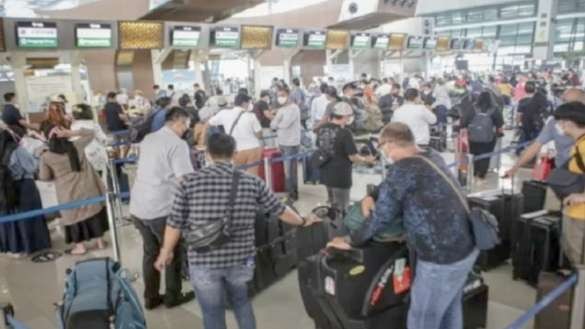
x=187 y=134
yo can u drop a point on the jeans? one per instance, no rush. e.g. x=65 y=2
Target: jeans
x=211 y=286
x=437 y=294
x=291 y=169
x=152 y=232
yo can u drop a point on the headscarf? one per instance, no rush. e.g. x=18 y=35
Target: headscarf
x=62 y=146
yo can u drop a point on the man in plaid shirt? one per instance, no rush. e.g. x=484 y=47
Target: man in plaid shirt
x=202 y=197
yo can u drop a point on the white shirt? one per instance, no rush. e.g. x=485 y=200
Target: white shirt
x=418 y=118
x=384 y=89
x=122 y=99
x=245 y=130
x=164 y=158
x=318 y=108
x=287 y=124
x=441 y=94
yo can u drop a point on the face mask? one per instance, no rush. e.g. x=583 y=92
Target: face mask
x=350 y=120
x=250 y=107
x=559 y=129
x=282 y=100
x=187 y=134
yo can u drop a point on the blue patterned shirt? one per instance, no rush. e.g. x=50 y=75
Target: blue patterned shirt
x=436 y=223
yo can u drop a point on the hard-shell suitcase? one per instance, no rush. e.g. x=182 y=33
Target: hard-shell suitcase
x=534 y=195
x=276 y=170
x=494 y=203
x=475 y=302
x=538 y=246
x=558 y=314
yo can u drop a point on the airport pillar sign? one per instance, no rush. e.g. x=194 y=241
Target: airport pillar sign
x=185 y=36
x=287 y=38
x=37 y=35
x=361 y=40
x=226 y=37
x=93 y=35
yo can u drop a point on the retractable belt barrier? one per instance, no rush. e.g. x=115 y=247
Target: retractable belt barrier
x=100 y=199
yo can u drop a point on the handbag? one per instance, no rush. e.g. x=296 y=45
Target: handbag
x=484 y=225
x=213 y=235
x=565 y=182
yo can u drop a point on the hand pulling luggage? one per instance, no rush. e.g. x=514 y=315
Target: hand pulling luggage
x=538 y=246
x=558 y=314
x=276 y=170
x=99 y=296
x=534 y=195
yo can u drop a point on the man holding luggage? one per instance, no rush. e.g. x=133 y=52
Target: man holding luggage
x=202 y=198
x=420 y=191
x=287 y=124
x=164 y=159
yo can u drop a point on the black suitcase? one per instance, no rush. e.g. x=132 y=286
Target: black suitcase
x=537 y=245
x=494 y=203
x=558 y=314
x=312 y=292
x=475 y=303
x=534 y=195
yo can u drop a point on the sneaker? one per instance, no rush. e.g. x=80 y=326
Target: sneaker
x=180 y=300
x=151 y=304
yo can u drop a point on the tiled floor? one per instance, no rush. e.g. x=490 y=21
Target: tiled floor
x=33 y=288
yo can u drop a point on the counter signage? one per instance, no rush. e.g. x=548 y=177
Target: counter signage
x=93 y=35
x=225 y=37
x=186 y=36
x=381 y=41
x=361 y=40
x=430 y=43
x=287 y=38
x=455 y=44
x=315 y=39
x=37 y=34
x=414 y=42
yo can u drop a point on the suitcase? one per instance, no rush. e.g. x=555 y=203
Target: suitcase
x=475 y=303
x=558 y=314
x=538 y=246
x=310 y=172
x=534 y=195
x=276 y=170
x=495 y=204
x=312 y=292
x=98 y=296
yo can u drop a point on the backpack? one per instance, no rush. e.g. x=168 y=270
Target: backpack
x=99 y=296
x=481 y=127
x=325 y=146
x=374 y=119
x=139 y=130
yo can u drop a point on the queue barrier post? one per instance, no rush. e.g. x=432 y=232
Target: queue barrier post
x=6 y=310
x=110 y=198
x=268 y=173
x=470 y=172
x=578 y=311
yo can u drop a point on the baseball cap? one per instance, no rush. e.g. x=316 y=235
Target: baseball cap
x=342 y=109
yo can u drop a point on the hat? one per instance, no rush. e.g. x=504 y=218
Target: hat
x=342 y=109
x=573 y=111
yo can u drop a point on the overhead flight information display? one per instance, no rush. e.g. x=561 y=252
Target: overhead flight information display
x=414 y=42
x=381 y=41
x=315 y=39
x=37 y=34
x=456 y=44
x=93 y=35
x=287 y=38
x=397 y=41
x=361 y=40
x=185 y=36
x=430 y=43
x=225 y=37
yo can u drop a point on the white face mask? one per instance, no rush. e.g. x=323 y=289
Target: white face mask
x=282 y=100
x=350 y=120
x=559 y=129
x=250 y=107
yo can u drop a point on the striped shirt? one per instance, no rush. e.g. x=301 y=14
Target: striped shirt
x=203 y=196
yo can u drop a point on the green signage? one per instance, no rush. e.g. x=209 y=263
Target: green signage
x=93 y=35
x=225 y=37
x=287 y=38
x=361 y=41
x=37 y=34
x=185 y=36
x=315 y=39
x=381 y=42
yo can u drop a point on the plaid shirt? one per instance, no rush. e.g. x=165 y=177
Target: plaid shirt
x=203 y=196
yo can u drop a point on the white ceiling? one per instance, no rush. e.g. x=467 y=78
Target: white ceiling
x=27 y=8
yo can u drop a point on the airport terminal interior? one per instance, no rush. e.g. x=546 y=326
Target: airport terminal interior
x=401 y=164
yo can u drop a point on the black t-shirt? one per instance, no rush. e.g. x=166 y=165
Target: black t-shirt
x=259 y=109
x=11 y=115
x=113 y=111
x=337 y=172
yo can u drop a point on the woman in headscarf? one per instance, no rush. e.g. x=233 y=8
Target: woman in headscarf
x=20 y=194
x=75 y=179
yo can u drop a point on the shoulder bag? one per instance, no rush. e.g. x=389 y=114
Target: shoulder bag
x=565 y=182
x=211 y=236
x=484 y=225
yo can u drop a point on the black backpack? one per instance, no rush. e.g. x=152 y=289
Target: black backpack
x=326 y=146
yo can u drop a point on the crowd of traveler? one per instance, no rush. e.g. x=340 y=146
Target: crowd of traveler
x=171 y=195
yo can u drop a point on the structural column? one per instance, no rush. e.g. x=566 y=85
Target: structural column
x=18 y=63
x=543 y=37
x=75 y=59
